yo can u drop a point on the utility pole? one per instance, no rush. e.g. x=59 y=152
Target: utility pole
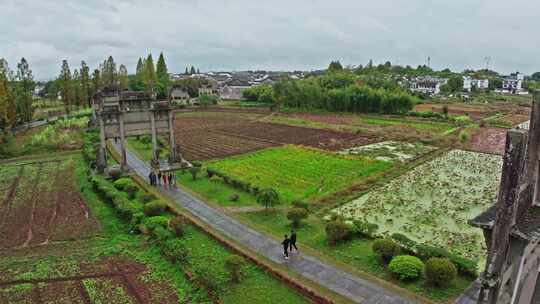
x=487 y=61
x=429 y=62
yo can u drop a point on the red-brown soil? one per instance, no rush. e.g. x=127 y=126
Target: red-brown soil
x=211 y=136
x=38 y=213
x=515 y=119
x=113 y=280
x=489 y=140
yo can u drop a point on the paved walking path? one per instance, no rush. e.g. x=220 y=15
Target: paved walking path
x=33 y=124
x=345 y=284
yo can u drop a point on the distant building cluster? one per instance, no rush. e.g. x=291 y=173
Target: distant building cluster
x=229 y=85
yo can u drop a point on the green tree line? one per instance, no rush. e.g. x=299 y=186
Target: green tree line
x=337 y=90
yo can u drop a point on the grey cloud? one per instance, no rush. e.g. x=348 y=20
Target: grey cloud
x=279 y=34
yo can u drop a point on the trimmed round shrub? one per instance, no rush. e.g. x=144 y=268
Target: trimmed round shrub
x=175 y=250
x=300 y=204
x=296 y=215
x=336 y=231
x=155 y=208
x=149 y=224
x=177 y=225
x=233 y=265
x=210 y=172
x=144 y=197
x=440 y=271
x=406 y=267
x=386 y=249
x=131 y=190
x=234 y=197
x=123 y=182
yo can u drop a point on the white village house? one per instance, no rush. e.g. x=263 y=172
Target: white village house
x=513 y=83
x=469 y=83
x=428 y=85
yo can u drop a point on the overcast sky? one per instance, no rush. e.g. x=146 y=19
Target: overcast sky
x=276 y=35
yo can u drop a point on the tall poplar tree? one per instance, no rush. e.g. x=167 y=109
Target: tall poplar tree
x=149 y=73
x=96 y=81
x=77 y=89
x=24 y=87
x=86 y=90
x=109 y=74
x=123 y=80
x=7 y=103
x=66 y=86
x=162 y=75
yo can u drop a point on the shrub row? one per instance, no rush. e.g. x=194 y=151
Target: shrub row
x=338 y=230
x=464 y=266
x=152 y=219
x=235 y=183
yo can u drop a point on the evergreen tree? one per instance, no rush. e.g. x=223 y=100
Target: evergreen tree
x=162 y=76
x=66 y=89
x=123 y=79
x=96 y=81
x=86 y=90
x=109 y=74
x=77 y=89
x=7 y=104
x=136 y=82
x=198 y=71
x=149 y=73
x=192 y=70
x=140 y=67
x=23 y=92
x=186 y=72
x=335 y=66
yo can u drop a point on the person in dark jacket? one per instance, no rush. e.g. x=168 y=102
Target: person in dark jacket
x=159 y=178
x=172 y=180
x=285 y=244
x=293 y=241
x=152 y=178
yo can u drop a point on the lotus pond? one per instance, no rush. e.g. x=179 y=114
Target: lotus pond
x=433 y=202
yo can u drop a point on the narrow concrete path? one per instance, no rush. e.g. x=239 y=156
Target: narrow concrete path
x=343 y=283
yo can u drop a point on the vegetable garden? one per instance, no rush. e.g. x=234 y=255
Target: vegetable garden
x=432 y=203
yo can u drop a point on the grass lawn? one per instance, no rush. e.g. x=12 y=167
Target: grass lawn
x=298 y=172
x=215 y=190
x=356 y=253
x=436 y=127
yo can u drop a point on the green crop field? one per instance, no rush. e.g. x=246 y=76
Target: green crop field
x=298 y=172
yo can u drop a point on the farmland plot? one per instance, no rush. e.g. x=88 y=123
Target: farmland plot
x=40 y=204
x=297 y=172
x=391 y=151
x=432 y=203
x=210 y=135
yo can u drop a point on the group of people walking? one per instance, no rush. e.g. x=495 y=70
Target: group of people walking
x=288 y=244
x=165 y=179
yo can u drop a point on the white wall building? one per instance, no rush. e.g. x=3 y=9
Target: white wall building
x=513 y=83
x=428 y=85
x=469 y=83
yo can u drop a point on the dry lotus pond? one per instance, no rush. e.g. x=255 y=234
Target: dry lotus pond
x=433 y=202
